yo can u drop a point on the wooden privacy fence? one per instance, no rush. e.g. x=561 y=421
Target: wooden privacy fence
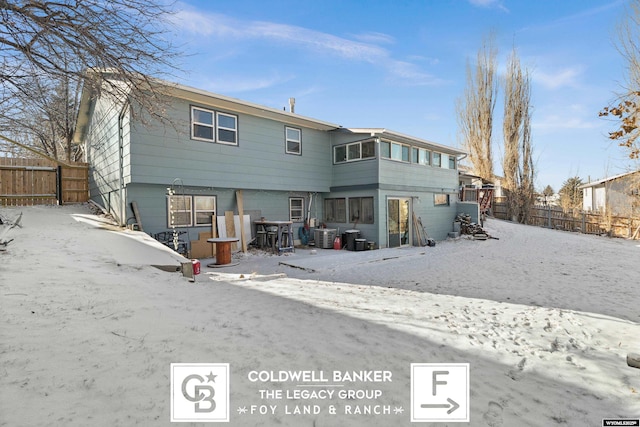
x=579 y=221
x=25 y=182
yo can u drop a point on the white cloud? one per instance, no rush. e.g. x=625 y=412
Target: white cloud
x=498 y=4
x=375 y=37
x=366 y=50
x=229 y=84
x=567 y=77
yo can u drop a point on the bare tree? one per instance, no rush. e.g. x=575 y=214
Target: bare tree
x=475 y=110
x=627 y=109
x=54 y=47
x=518 y=161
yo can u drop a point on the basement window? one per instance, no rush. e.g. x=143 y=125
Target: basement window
x=335 y=210
x=441 y=199
x=296 y=209
x=204 y=209
x=361 y=210
x=179 y=211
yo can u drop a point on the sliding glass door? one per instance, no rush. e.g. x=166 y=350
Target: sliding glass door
x=398 y=224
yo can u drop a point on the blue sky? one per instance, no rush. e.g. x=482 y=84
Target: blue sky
x=401 y=65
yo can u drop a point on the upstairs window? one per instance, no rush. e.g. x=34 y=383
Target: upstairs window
x=201 y=124
x=293 y=143
x=421 y=156
x=227 y=129
x=436 y=159
x=211 y=126
x=395 y=151
x=354 y=151
x=452 y=162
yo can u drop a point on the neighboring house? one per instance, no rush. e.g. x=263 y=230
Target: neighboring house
x=371 y=179
x=617 y=195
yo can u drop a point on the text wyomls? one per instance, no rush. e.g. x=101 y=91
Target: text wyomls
x=319 y=376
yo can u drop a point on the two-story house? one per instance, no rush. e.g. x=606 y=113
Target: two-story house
x=180 y=175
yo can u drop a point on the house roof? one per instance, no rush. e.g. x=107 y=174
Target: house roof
x=397 y=136
x=205 y=98
x=237 y=105
x=602 y=181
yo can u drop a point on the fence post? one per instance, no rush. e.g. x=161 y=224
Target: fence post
x=584 y=223
x=549 y=216
x=59 y=185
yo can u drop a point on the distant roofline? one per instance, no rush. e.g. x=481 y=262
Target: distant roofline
x=602 y=181
x=397 y=136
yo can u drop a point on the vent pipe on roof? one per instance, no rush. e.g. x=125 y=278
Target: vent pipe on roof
x=292 y=105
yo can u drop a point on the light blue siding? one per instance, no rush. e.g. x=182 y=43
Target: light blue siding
x=258 y=161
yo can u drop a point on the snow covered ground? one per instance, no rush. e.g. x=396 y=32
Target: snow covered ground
x=89 y=329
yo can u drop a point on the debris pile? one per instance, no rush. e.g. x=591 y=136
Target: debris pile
x=471 y=228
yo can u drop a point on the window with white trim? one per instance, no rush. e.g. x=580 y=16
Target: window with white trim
x=293 y=140
x=296 y=209
x=202 y=124
x=188 y=210
x=227 y=128
x=204 y=207
x=436 y=159
x=452 y=161
x=354 y=151
x=395 y=151
x=421 y=156
x=179 y=211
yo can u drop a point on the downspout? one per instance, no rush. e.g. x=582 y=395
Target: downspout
x=121 y=190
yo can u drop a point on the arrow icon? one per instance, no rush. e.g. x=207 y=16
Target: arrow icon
x=453 y=405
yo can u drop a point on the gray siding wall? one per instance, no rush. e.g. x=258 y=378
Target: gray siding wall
x=258 y=161
x=152 y=204
x=415 y=177
x=103 y=155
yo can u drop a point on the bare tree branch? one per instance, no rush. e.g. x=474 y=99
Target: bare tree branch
x=47 y=47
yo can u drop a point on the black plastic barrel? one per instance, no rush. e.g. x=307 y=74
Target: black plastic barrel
x=350 y=239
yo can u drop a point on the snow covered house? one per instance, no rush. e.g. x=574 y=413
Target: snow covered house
x=289 y=167
x=617 y=195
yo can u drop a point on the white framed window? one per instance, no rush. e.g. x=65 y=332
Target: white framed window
x=421 y=156
x=452 y=161
x=179 y=211
x=296 y=209
x=354 y=151
x=335 y=210
x=204 y=207
x=436 y=159
x=202 y=124
x=227 y=128
x=293 y=140
x=395 y=151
